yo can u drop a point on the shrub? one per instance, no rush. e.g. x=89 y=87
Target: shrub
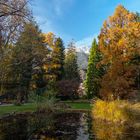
x=43 y=103
x=17 y=103
x=46 y=105
x=114 y=111
x=106 y=130
x=68 y=89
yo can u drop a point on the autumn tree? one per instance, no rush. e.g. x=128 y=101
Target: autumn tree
x=54 y=68
x=13 y=7
x=136 y=60
x=93 y=72
x=119 y=43
x=13 y=16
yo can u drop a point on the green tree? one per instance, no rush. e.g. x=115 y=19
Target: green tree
x=59 y=57
x=71 y=66
x=5 y=71
x=93 y=73
x=68 y=86
x=138 y=17
x=24 y=59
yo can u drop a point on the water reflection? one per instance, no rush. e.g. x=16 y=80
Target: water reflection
x=108 y=131
x=9 y=131
x=57 y=126
x=63 y=126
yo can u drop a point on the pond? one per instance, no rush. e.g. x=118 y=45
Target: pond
x=63 y=126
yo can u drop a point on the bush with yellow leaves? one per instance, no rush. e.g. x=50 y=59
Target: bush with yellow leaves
x=114 y=111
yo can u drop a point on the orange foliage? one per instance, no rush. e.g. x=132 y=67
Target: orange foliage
x=119 y=42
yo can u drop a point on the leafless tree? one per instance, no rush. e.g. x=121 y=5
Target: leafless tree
x=13 y=15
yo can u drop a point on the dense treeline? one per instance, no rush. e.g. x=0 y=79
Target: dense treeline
x=31 y=61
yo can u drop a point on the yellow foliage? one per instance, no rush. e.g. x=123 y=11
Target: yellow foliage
x=114 y=111
x=53 y=64
x=49 y=38
x=109 y=119
x=106 y=131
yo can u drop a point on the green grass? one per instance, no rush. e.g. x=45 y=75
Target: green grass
x=12 y=108
x=32 y=107
x=80 y=105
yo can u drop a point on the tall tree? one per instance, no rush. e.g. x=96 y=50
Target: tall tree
x=68 y=86
x=136 y=59
x=13 y=16
x=93 y=73
x=54 y=68
x=119 y=43
x=25 y=56
x=71 y=66
x=60 y=57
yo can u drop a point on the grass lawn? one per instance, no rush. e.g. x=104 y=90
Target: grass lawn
x=13 y=108
x=80 y=105
x=31 y=107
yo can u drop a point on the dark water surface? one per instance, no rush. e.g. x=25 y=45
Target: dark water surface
x=63 y=126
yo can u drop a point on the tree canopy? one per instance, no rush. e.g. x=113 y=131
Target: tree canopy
x=119 y=43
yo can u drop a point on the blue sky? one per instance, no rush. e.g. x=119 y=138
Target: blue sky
x=80 y=20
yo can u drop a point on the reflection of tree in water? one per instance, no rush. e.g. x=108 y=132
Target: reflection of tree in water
x=22 y=127
x=65 y=127
x=13 y=128
x=39 y=124
x=90 y=128
x=53 y=126
x=106 y=131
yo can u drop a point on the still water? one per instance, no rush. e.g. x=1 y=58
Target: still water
x=63 y=126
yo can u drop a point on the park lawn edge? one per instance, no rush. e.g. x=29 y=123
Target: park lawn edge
x=30 y=108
